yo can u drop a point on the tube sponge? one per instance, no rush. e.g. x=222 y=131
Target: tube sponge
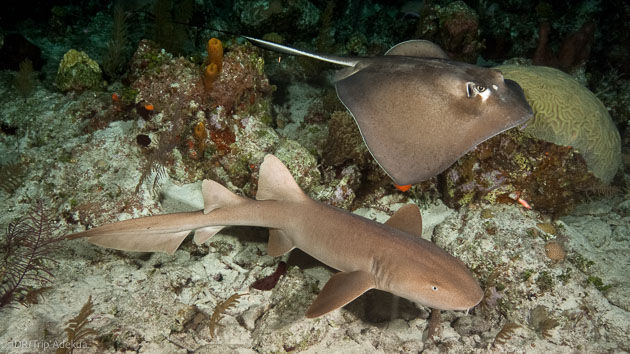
x=210 y=75
x=215 y=53
x=215 y=62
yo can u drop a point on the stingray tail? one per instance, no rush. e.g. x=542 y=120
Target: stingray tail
x=279 y=48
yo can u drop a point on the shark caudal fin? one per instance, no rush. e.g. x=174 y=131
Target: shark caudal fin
x=163 y=233
x=275 y=182
x=159 y=233
x=215 y=196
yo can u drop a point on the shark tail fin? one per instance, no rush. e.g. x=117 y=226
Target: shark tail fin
x=276 y=182
x=215 y=196
x=147 y=234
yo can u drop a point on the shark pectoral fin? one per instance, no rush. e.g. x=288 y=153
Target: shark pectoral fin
x=340 y=290
x=407 y=219
x=279 y=243
x=134 y=241
x=203 y=235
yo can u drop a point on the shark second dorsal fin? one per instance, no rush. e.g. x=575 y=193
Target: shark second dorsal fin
x=418 y=48
x=276 y=183
x=407 y=219
x=216 y=196
x=340 y=289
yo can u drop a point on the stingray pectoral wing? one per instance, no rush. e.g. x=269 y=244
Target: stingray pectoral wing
x=412 y=125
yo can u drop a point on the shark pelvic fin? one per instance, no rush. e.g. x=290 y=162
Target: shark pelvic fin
x=279 y=243
x=276 y=182
x=203 y=235
x=340 y=289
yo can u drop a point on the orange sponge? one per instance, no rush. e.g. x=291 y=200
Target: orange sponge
x=215 y=53
x=210 y=75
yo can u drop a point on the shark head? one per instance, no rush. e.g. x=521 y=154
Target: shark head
x=437 y=280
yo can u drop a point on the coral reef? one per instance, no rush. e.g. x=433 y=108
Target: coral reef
x=567 y=113
x=117 y=52
x=574 y=51
x=511 y=167
x=262 y=16
x=157 y=121
x=344 y=141
x=77 y=72
x=455 y=27
x=242 y=81
x=459 y=32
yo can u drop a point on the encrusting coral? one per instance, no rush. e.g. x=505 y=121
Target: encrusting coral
x=555 y=251
x=567 y=113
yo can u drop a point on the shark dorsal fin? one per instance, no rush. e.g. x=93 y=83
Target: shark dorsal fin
x=340 y=289
x=276 y=183
x=407 y=219
x=418 y=48
x=216 y=196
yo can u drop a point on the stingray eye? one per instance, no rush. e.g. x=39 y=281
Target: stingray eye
x=473 y=89
x=435 y=288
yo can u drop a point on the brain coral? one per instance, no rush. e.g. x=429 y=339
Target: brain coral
x=567 y=113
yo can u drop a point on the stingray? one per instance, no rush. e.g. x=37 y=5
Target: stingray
x=417 y=111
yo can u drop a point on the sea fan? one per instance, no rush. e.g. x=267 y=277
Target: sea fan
x=505 y=333
x=78 y=332
x=26 y=251
x=220 y=309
